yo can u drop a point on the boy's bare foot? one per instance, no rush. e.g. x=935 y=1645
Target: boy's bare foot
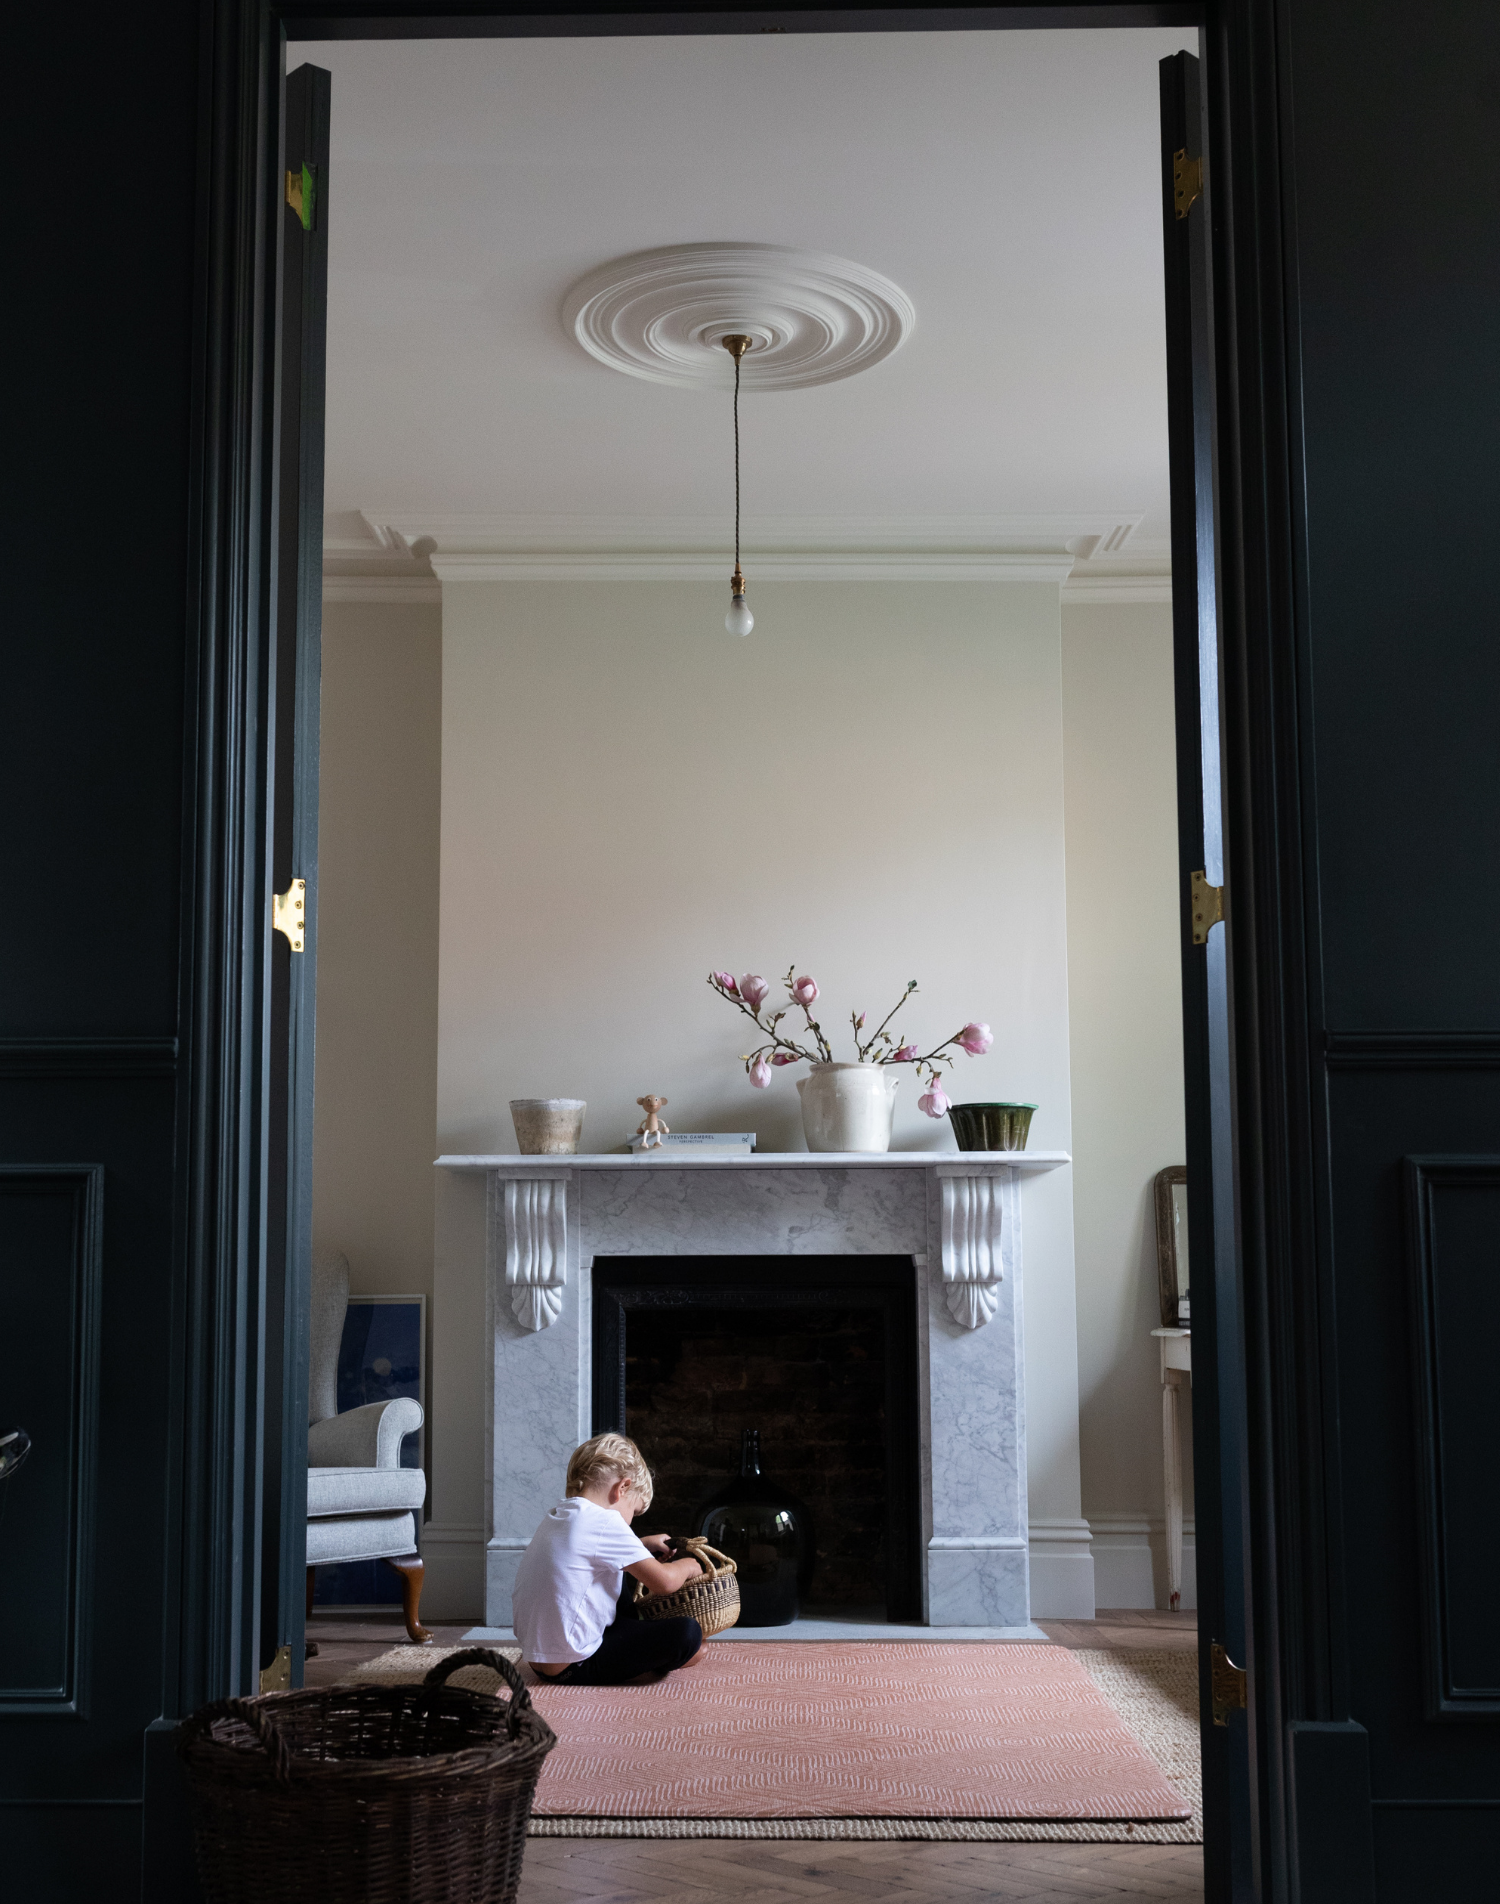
x=700 y=1654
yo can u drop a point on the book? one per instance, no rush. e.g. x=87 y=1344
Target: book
x=697 y=1144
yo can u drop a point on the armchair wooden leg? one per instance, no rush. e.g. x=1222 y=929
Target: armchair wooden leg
x=309 y=1647
x=410 y=1569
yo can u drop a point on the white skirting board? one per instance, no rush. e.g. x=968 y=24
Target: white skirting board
x=1076 y=1566
x=1062 y=1570
x=1130 y=1562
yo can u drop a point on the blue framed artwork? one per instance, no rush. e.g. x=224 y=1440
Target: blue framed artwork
x=382 y=1354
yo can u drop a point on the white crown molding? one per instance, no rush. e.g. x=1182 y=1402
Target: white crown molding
x=1089 y=535
x=1116 y=575
x=812 y=317
x=407 y=557
x=376 y=569
x=383 y=591
x=1106 y=590
x=847 y=566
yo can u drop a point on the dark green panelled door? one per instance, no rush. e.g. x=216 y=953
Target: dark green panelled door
x=298 y=584
x=1218 y=1336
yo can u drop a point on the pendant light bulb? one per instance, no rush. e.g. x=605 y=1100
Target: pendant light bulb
x=739 y=620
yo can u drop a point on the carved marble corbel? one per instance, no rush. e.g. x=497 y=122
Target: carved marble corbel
x=536 y=1248
x=971 y=1247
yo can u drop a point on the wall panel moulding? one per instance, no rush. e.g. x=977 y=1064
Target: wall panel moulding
x=408 y=557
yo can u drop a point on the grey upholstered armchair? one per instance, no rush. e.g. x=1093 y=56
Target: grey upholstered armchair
x=361 y=1503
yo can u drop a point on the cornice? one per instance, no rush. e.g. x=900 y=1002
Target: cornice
x=409 y=558
x=828 y=565
x=383 y=591
x=1142 y=573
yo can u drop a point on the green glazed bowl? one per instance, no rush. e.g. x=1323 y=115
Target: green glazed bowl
x=991 y=1126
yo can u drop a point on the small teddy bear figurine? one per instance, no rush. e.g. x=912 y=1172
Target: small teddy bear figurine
x=651 y=1129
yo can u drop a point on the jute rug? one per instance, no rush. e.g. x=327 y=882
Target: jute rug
x=1091 y=1747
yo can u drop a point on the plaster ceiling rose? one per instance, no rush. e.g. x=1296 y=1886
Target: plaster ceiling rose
x=812 y=318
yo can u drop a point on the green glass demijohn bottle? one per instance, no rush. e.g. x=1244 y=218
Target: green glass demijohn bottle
x=768 y=1533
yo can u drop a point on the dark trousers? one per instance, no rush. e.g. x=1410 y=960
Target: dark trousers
x=630 y=1648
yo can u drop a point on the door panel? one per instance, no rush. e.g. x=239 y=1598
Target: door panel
x=51 y=1220
x=298 y=594
x=1218 y=1334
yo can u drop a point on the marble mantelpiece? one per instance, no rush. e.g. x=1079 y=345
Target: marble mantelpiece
x=957 y=1214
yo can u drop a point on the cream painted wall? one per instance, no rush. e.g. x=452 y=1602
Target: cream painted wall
x=1125 y=1007
x=870 y=786
x=375 y=1111
x=757 y=815
x=375 y=1102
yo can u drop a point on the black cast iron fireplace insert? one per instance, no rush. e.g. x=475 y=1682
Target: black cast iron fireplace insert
x=687 y=1348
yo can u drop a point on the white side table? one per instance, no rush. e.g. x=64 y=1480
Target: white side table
x=1176 y=1375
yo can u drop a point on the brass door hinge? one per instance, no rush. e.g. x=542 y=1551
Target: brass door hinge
x=277 y=1677
x=1187 y=181
x=289 y=911
x=1228 y=1685
x=302 y=194
x=1208 y=907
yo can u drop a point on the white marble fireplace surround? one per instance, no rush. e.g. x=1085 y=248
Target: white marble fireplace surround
x=958 y=1215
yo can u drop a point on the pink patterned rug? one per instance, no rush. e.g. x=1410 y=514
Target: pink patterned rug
x=883 y=1730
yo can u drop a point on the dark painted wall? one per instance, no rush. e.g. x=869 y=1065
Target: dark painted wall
x=1393 y=255
x=1398 y=282
x=102 y=118
x=1398 y=290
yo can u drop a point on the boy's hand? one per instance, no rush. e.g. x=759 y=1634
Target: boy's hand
x=658 y=1544
x=665 y=1576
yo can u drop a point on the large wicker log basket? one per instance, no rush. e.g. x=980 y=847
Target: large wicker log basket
x=713 y=1600
x=366 y=1794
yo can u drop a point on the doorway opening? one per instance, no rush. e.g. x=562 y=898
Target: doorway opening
x=948 y=744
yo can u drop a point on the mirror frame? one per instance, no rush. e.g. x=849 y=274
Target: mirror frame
x=1168 y=1284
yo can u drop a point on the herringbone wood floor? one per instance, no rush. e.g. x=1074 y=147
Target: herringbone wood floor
x=629 y=1871
x=771 y=1871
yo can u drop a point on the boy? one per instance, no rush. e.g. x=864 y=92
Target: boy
x=569 y=1578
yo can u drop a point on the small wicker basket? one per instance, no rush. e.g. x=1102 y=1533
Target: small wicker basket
x=713 y=1601
x=366 y=1795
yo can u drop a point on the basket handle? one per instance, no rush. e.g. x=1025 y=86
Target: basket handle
x=520 y=1698
x=696 y=1547
x=692 y=1547
x=250 y=1712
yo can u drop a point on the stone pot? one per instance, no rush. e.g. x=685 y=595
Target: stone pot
x=547 y=1126
x=848 y=1106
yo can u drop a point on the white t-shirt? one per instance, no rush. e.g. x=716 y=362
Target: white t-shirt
x=569 y=1580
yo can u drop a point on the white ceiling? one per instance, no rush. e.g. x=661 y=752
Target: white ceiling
x=1008 y=182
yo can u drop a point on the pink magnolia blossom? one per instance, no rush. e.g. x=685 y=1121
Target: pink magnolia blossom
x=760 y=1074
x=903 y=1056
x=785 y=1057
x=804 y=992
x=725 y=983
x=934 y=1102
x=753 y=989
x=975 y=1039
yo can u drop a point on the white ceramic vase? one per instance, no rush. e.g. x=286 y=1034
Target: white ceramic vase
x=848 y=1106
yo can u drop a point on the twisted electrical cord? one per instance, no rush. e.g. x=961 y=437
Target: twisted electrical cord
x=736 y=462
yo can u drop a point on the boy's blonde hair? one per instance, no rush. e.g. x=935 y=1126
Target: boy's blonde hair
x=607 y=1459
